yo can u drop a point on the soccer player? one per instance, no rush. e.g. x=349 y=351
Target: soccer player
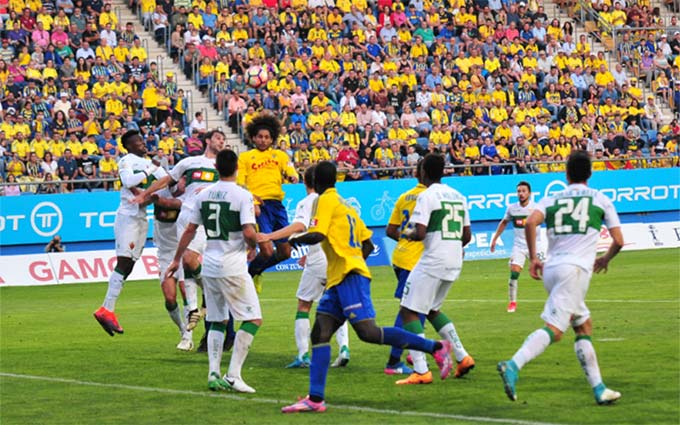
x=441 y=220
x=517 y=214
x=199 y=172
x=226 y=212
x=131 y=225
x=166 y=210
x=261 y=171
x=405 y=256
x=346 y=242
x=573 y=218
x=312 y=281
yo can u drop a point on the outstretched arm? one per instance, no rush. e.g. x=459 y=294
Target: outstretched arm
x=312 y=238
x=285 y=232
x=499 y=231
x=602 y=262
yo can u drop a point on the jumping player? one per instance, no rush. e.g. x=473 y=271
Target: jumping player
x=262 y=171
x=517 y=214
x=573 y=218
x=131 y=225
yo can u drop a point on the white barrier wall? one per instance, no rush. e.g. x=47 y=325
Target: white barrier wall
x=95 y=266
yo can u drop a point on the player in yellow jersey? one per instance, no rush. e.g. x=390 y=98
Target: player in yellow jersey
x=405 y=256
x=347 y=243
x=262 y=171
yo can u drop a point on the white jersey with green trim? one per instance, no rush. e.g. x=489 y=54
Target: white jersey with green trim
x=199 y=172
x=130 y=167
x=444 y=211
x=304 y=212
x=573 y=218
x=223 y=208
x=517 y=215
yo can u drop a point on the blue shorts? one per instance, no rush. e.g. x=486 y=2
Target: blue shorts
x=273 y=216
x=350 y=299
x=402 y=275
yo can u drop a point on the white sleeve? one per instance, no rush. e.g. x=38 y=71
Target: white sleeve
x=507 y=216
x=178 y=170
x=421 y=212
x=128 y=177
x=303 y=213
x=247 y=213
x=160 y=173
x=195 y=212
x=543 y=204
x=611 y=217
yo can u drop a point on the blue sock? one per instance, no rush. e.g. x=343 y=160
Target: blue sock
x=318 y=370
x=397 y=337
x=398 y=323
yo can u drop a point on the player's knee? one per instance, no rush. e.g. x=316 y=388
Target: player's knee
x=319 y=335
x=367 y=332
x=304 y=306
x=283 y=250
x=256 y=322
x=585 y=328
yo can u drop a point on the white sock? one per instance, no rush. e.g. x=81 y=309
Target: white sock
x=302 y=328
x=342 y=335
x=512 y=289
x=215 y=341
x=176 y=317
x=533 y=346
x=448 y=332
x=585 y=352
x=113 y=292
x=239 y=353
x=419 y=359
x=191 y=293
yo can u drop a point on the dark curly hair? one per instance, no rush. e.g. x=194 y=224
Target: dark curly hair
x=264 y=122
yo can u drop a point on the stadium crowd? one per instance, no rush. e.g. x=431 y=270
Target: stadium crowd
x=497 y=86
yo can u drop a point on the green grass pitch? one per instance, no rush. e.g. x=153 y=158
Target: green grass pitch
x=57 y=366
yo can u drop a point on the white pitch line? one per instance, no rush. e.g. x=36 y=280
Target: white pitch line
x=611 y=339
x=260 y=400
x=504 y=300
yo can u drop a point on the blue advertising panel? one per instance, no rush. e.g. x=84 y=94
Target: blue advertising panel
x=89 y=216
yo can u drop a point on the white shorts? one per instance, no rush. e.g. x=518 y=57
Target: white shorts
x=567 y=286
x=130 y=233
x=198 y=243
x=234 y=293
x=424 y=292
x=520 y=255
x=312 y=285
x=165 y=239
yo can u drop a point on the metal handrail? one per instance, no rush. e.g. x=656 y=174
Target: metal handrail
x=406 y=168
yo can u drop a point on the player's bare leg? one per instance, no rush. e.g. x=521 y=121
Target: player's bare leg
x=105 y=315
x=270 y=254
x=515 y=270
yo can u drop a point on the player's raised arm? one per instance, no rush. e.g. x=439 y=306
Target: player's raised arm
x=534 y=220
x=157 y=185
x=311 y=238
x=287 y=231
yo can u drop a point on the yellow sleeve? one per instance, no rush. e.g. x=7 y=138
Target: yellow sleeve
x=323 y=214
x=242 y=171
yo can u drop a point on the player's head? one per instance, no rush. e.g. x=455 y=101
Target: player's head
x=133 y=143
x=578 y=167
x=263 y=130
x=226 y=163
x=214 y=141
x=325 y=175
x=432 y=168
x=523 y=191
x=309 y=176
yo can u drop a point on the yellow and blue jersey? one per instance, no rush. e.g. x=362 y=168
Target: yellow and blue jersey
x=407 y=253
x=262 y=172
x=344 y=232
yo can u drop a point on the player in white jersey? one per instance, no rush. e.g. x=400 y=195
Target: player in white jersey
x=573 y=218
x=166 y=210
x=226 y=212
x=131 y=225
x=441 y=220
x=312 y=281
x=517 y=214
x=199 y=172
